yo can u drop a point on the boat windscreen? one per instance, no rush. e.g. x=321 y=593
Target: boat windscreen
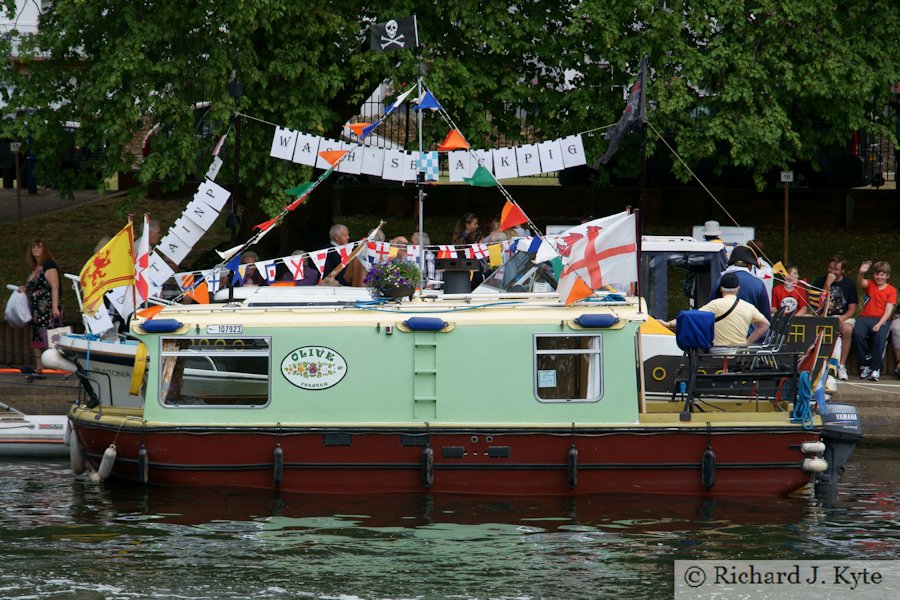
x=520 y=274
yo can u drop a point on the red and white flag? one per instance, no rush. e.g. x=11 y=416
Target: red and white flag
x=319 y=257
x=602 y=251
x=445 y=251
x=378 y=251
x=477 y=251
x=142 y=262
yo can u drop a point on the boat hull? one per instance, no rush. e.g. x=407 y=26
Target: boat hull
x=34 y=436
x=749 y=461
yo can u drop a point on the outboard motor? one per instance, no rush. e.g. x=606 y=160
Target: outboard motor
x=841 y=430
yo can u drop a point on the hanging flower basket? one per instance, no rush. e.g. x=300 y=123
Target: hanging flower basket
x=394 y=278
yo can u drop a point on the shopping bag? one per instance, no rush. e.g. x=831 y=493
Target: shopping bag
x=18 y=313
x=52 y=334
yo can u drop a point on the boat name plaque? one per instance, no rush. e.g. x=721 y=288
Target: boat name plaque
x=224 y=329
x=314 y=367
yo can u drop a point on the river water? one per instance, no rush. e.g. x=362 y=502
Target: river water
x=65 y=537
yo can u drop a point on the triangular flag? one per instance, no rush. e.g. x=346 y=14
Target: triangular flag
x=572 y=287
x=296 y=202
x=332 y=156
x=199 y=293
x=268 y=224
x=454 y=141
x=233 y=263
x=427 y=101
x=778 y=269
x=358 y=128
x=481 y=178
x=398 y=101
x=150 y=312
x=299 y=190
x=367 y=130
x=511 y=215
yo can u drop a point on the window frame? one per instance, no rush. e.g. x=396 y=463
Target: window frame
x=198 y=353
x=597 y=358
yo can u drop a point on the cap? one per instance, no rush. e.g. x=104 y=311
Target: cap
x=712 y=228
x=729 y=281
x=744 y=254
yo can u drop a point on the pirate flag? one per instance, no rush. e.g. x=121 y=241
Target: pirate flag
x=396 y=34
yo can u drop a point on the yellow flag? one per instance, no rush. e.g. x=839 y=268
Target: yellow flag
x=779 y=269
x=111 y=267
x=495 y=252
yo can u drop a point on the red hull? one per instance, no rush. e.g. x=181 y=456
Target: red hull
x=749 y=462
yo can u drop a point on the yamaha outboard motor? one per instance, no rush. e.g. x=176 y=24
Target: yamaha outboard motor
x=841 y=430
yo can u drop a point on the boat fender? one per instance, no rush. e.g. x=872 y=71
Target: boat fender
x=106 y=463
x=143 y=465
x=161 y=325
x=52 y=358
x=428 y=466
x=76 y=456
x=67 y=433
x=279 y=465
x=589 y=321
x=140 y=367
x=815 y=465
x=708 y=468
x=572 y=466
x=812 y=447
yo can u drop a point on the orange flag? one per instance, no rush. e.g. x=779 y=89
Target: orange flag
x=268 y=224
x=332 y=156
x=454 y=141
x=511 y=215
x=358 y=128
x=150 y=311
x=199 y=293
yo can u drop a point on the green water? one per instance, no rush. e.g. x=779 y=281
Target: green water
x=64 y=537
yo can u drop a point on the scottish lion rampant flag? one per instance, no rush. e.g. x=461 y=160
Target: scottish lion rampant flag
x=112 y=266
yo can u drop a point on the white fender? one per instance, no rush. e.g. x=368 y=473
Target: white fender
x=106 y=463
x=812 y=447
x=815 y=465
x=53 y=359
x=76 y=456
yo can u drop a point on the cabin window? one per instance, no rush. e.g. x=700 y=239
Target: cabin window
x=214 y=372
x=567 y=368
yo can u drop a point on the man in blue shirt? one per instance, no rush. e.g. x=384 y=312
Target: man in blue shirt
x=752 y=289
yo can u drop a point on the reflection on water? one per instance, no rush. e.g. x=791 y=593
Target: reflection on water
x=65 y=537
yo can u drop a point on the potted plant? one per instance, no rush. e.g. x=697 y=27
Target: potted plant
x=393 y=278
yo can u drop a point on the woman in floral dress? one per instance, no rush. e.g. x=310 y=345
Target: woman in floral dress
x=42 y=289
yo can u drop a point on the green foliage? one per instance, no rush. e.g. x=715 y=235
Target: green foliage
x=759 y=85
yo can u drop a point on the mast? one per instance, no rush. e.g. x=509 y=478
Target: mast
x=420 y=181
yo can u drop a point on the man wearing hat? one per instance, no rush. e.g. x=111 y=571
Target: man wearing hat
x=735 y=316
x=752 y=289
x=712 y=232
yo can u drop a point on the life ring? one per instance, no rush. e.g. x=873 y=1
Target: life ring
x=140 y=367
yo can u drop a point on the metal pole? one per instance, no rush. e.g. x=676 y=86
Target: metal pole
x=18 y=202
x=419 y=183
x=786 y=188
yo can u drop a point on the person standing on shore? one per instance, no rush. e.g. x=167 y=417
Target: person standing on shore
x=42 y=290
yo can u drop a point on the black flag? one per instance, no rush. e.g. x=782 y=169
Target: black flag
x=396 y=34
x=635 y=114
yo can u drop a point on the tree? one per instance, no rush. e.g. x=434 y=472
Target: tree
x=770 y=84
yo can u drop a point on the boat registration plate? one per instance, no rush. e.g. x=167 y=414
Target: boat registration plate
x=224 y=329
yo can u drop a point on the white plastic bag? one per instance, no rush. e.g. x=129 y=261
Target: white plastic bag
x=18 y=313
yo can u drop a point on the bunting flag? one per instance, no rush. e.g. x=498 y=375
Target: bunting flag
x=395 y=34
x=634 y=115
x=377 y=251
x=447 y=252
x=427 y=102
x=299 y=190
x=481 y=178
x=454 y=141
x=367 y=130
x=477 y=251
x=495 y=251
x=396 y=103
x=318 y=259
x=429 y=165
x=268 y=224
x=269 y=270
x=199 y=293
x=332 y=156
x=150 y=311
x=511 y=215
x=112 y=266
x=295 y=264
x=778 y=269
x=359 y=129
x=571 y=287
x=219 y=144
x=142 y=262
x=233 y=262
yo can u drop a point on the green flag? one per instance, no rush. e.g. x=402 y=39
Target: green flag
x=299 y=190
x=481 y=178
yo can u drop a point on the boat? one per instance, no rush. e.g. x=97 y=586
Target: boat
x=32 y=436
x=504 y=394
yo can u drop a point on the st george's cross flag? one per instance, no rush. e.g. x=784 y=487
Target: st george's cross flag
x=395 y=34
x=602 y=251
x=142 y=262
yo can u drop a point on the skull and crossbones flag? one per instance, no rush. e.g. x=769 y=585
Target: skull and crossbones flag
x=396 y=34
